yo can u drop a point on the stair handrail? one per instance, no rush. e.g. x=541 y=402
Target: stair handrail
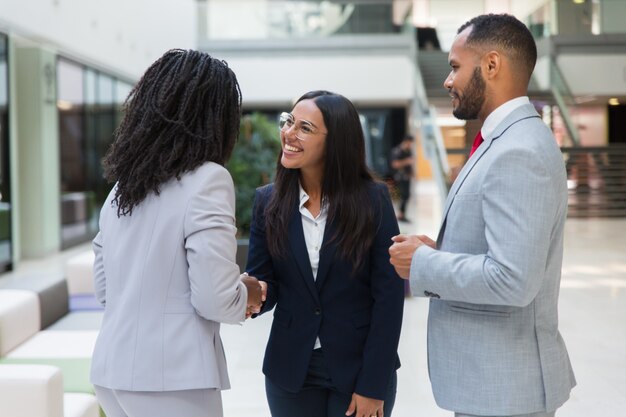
x=425 y=120
x=558 y=80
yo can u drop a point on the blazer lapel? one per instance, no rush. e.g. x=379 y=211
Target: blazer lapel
x=300 y=254
x=524 y=112
x=467 y=168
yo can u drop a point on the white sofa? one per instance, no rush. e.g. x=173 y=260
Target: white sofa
x=37 y=391
x=19 y=318
x=79 y=273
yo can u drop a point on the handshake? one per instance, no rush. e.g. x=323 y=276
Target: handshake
x=257 y=292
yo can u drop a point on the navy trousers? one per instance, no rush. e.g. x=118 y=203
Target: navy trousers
x=318 y=397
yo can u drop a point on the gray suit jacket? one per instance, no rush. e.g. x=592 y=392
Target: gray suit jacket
x=167 y=277
x=493 y=342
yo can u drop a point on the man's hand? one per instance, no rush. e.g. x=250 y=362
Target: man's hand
x=403 y=249
x=257 y=291
x=365 y=407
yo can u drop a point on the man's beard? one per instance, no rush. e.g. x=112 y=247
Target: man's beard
x=473 y=98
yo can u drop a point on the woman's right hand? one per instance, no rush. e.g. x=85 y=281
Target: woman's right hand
x=257 y=291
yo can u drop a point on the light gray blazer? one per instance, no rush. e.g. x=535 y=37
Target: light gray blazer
x=493 y=343
x=167 y=277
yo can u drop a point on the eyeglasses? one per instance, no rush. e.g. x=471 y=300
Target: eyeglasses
x=304 y=129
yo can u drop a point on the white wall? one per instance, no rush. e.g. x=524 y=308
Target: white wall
x=594 y=74
x=363 y=79
x=124 y=35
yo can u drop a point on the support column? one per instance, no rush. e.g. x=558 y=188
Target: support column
x=38 y=189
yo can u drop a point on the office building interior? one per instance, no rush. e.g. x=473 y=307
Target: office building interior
x=66 y=69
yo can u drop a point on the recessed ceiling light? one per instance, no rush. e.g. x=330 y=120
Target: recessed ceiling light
x=613 y=101
x=578 y=1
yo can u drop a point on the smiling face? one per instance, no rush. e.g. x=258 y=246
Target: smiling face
x=465 y=82
x=304 y=141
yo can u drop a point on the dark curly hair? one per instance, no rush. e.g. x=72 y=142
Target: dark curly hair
x=183 y=112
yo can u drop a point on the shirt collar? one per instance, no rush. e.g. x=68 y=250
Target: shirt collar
x=304 y=197
x=498 y=115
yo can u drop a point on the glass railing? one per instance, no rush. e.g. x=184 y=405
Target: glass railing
x=577 y=17
x=565 y=102
x=425 y=121
x=276 y=19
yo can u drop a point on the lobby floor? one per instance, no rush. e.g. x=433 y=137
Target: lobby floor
x=592 y=314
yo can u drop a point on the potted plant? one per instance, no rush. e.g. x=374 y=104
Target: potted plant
x=252 y=164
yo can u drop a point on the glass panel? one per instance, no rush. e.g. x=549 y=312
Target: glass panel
x=260 y=19
x=6 y=245
x=71 y=107
x=105 y=89
x=539 y=22
x=90 y=86
x=70 y=88
x=610 y=16
x=88 y=114
x=122 y=90
x=103 y=117
x=574 y=17
x=577 y=17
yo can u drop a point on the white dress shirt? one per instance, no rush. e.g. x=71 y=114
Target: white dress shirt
x=495 y=117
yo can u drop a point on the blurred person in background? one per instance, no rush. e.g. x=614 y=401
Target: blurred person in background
x=402 y=164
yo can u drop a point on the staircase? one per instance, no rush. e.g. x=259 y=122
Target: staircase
x=596 y=181
x=434 y=68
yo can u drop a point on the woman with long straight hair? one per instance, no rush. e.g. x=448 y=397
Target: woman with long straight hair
x=319 y=237
x=165 y=268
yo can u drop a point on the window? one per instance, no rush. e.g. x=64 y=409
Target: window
x=6 y=246
x=89 y=112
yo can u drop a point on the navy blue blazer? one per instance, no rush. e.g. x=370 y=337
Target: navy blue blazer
x=358 y=317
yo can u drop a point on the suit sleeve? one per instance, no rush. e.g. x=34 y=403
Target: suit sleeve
x=217 y=292
x=519 y=203
x=259 y=263
x=380 y=357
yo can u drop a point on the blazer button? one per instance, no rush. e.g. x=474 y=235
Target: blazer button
x=317 y=311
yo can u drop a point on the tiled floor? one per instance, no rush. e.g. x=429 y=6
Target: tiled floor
x=592 y=320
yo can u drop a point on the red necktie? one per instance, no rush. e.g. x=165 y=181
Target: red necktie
x=477 y=141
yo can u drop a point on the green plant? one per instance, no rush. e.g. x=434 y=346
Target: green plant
x=252 y=164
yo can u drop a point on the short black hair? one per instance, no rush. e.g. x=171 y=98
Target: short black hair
x=183 y=112
x=506 y=34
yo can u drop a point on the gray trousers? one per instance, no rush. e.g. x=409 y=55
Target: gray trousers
x=550 y=414
x=188 y=403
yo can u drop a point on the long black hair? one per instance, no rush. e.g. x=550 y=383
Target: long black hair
x=183 y=112
x=344 y=184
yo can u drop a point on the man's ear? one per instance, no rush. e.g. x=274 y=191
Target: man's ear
x=492 y=64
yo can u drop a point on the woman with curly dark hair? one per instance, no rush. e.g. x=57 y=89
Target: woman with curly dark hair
x=320 y=237
x=165 y=268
